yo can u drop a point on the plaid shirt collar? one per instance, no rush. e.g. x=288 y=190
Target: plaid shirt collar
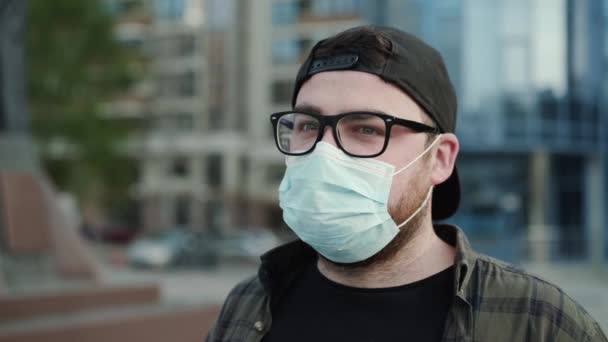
x=283 y=264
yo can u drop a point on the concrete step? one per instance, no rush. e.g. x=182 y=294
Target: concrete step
x=149 y=323
x=69 y=300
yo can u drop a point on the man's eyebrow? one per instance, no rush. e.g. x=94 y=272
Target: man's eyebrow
x=370 y=110
x=310 y=108
x=361 y=116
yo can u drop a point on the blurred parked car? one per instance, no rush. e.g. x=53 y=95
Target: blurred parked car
x=176 y=247
x=119 y=234
x=115 y=233
x=168 y=248
x=247 y=245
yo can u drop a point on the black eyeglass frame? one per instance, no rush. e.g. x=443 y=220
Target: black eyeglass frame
x=332 y=120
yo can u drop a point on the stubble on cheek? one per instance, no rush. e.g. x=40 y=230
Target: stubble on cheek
x=406 y=203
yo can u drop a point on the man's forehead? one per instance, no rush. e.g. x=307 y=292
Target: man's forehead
x=334 y=92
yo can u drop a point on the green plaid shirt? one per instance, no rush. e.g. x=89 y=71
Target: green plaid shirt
x=492 y=302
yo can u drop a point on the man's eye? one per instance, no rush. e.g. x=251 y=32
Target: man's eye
x=308 y=126
x=366 y=130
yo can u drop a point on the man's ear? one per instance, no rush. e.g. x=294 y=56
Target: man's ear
x=444 y=158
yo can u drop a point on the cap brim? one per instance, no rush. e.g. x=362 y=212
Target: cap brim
x=446 y=197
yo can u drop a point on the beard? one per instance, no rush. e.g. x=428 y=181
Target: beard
x=400 y=212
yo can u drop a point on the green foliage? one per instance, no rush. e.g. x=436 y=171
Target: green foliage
x=73 y=65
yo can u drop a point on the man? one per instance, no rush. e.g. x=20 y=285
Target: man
x=370 y=160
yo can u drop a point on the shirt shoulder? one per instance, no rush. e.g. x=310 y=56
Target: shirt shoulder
x=527 y=306
x=245 y=293
x=239 y=312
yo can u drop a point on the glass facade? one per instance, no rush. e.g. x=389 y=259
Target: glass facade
x=528 y=77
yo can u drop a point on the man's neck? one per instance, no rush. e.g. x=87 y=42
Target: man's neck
x=424 y=255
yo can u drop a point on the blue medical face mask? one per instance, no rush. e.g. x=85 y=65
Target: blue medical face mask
x=339 y=204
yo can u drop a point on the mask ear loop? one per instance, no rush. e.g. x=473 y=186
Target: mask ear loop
x=423 y=205
x=419 y=156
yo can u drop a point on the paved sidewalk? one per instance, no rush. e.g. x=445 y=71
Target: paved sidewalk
x=187 y=286
x=586 y=285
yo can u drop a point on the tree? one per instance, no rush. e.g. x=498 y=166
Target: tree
x=74 y=65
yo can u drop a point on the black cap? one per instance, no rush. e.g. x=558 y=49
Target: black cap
x=418 y=70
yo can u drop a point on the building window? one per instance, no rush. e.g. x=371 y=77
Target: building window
x=182 y=211
x=183 y=84
x=285 y=51
x=158 y=47
x=244 y=167
x=214 y=170
x=334 y=8
x=569 y=185
x=184 y=122
x=130 y=42
x=281 y=92
x=284 y=13
x=163 y=86
x=186 y=84
x=322 y=8
x=216 y=118
x=179 y=167
x=185 y=45
x=304 y=6
x=169 y=9
x=515 y=117
x=123 y=7
x=214 y=216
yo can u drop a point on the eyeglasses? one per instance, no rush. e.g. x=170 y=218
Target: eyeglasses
x=358 y=134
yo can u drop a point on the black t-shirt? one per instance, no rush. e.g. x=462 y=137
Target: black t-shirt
x=318 y=309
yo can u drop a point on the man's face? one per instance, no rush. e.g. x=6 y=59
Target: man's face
x=335 y=92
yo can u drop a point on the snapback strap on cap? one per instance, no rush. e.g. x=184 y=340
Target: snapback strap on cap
x=345 y=61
